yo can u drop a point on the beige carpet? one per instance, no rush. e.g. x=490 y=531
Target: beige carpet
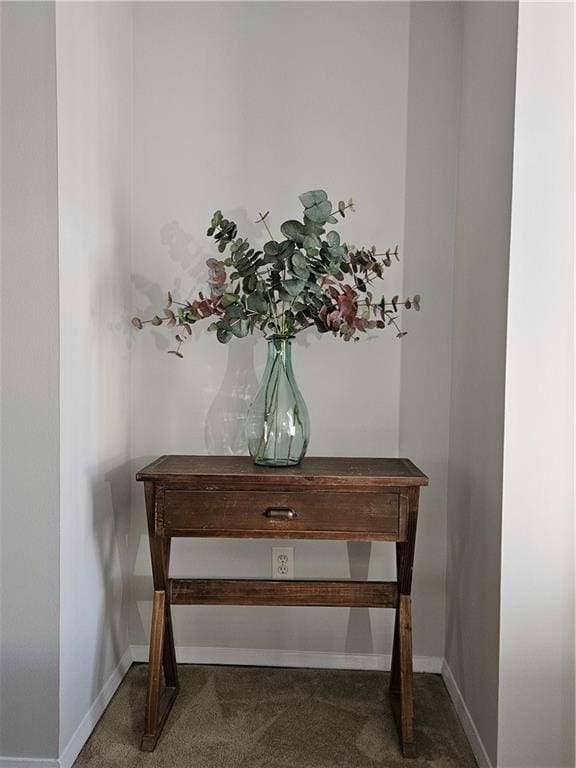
x=258 y=717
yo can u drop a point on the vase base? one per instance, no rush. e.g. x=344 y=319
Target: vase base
x=276 y=462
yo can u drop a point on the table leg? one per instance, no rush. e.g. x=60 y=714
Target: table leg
x=162 y=651
x=406 y=682
x=401 y=676
x=169 y=652
x=395 y=666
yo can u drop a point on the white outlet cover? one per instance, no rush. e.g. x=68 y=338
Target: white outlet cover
x=282 y=562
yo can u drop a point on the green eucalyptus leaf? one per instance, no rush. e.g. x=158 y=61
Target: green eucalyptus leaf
x=333 y=238
x=319 y=213
x=309 y=199
x=272 y=248
x=333 y=268
x=256 y=302
x=223 y=335
x=312 y=228
x=293 y=230
x=299 y=260
x=287 y=248
x=312 y=241
x=228 y=299
x=240 y=328
x=293 y=286
x=312 y=245
x=235 y=311
x=337 y=253
x=251 y=269
x=304 y=273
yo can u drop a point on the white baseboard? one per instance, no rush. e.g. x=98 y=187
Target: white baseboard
x=72 y=749
x=465 y=717
x=259 y=657
x=28 y=762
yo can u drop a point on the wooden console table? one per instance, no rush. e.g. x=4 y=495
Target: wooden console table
x=230 y=497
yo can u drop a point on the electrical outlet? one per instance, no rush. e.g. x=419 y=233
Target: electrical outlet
x=282 y=562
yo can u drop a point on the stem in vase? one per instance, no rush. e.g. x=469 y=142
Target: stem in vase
x=269 y=409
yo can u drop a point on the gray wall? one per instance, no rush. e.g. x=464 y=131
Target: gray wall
x=29 y=428
x=478 y=358
x=536 y=690
x=94 y=71
x=431 y=164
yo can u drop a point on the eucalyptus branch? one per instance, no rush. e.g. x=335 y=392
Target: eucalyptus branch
x=262 y=220
x=327 y=279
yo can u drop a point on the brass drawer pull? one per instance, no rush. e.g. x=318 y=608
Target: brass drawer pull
x=280 y=513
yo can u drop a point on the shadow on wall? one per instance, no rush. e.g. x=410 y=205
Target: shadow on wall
x=460 y=555
x=359 y=632
x=224 y=428
x=189 y=260
x=141 y=584
x=111 y=527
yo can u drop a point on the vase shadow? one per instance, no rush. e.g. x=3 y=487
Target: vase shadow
x=225 y=424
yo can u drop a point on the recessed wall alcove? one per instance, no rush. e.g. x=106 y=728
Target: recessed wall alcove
x=167 y=111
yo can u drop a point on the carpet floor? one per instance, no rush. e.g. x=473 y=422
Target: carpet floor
x=262 y=717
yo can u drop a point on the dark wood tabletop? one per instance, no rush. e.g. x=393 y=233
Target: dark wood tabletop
x=319 y=471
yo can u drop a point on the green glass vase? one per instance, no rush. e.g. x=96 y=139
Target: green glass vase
x=278 y=425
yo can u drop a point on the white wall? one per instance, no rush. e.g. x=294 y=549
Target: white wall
x=94 y=64
x=242 y=107
x=431 y=165
x=536 y=693
x=478 y=359
x=29 y=426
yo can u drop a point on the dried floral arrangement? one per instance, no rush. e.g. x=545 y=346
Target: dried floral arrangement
x=308 y=278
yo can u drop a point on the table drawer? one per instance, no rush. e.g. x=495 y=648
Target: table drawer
x=265 y=514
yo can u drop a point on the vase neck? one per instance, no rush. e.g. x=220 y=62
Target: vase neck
x=280 y=346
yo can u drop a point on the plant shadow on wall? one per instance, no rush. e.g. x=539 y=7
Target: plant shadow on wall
x=180 y=247
x=225 y=424
x=309 y=279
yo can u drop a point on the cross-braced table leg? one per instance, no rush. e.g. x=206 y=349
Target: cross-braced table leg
x=162 y=652
x=401 y=677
